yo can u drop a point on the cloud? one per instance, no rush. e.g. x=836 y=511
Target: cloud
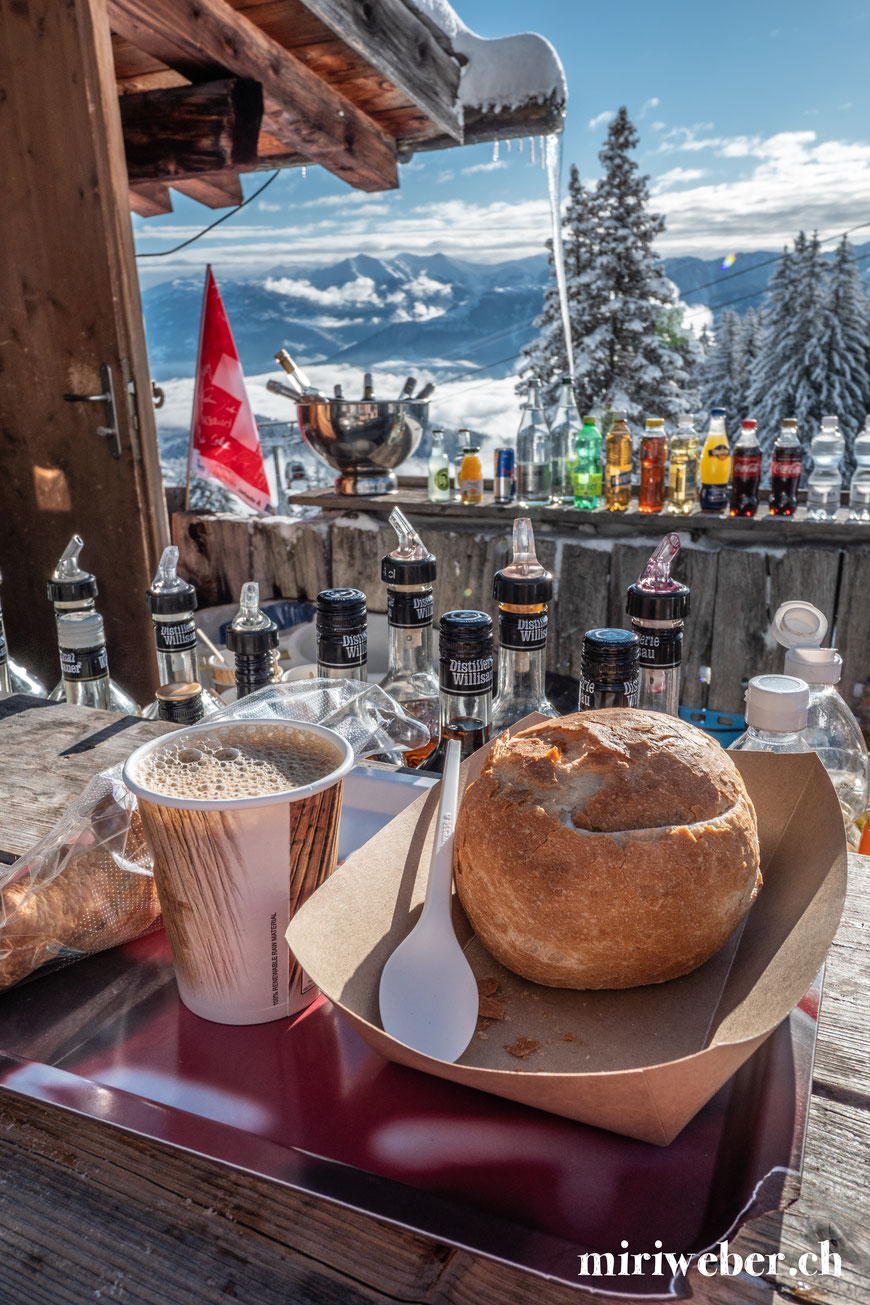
x=647 y=105
x=359 y=291
x=493 y=166
x=265 y=207
x=447 y=175
x=676 y=177
x=600 y=119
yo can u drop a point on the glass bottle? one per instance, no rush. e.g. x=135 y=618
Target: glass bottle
x=522 y=590
x=715 y=468
x=470 y=473
x=825 y=480
x=657 y=605
x=5 y=681
x=586 y=467
x=409 y=572
x=682 y=494
x=776 y=715
x=653 y=460
x=252 y=638
x=15 y=678
x=84 y=661
x=465 y=679
x=342 y=634
x=609 y=669
x=298 y=379
x=745 y=472
x=617 y=465
x=438 y=470
x=859 y=489
x=564 y=430
x=785 y=470
x=534 y=462
x=180 y=703
x=172 y=603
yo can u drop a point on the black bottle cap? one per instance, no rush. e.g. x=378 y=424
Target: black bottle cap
x=646 y=605
x=401 y=571
x=67 y=591
x=172 y=602
x=519 y=593
x=343 y=604
x=466 y=624
x=253 y=642
x=611 y=648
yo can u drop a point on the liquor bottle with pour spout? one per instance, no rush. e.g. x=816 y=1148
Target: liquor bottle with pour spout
x=252 y=638
x=84 y=661
x=657 y=605
x=523 y=590
x=465 y=680
x=71 y=589
x=409 y=572
x=171 y=602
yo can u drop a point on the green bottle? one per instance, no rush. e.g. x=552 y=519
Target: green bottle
x=586 y=468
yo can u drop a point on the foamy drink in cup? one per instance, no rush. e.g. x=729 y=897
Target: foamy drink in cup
x=241 y=819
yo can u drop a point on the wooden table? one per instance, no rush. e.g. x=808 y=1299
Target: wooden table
x=89 y=1212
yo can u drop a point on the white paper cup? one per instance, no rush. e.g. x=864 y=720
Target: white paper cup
x=231 y=873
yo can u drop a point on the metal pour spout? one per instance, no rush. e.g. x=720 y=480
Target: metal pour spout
x=656 y=576
x=249 y=616
x=525 y=564
x=166 y=579
x=68 y=567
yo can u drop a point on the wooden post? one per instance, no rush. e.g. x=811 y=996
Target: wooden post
x=69 y=302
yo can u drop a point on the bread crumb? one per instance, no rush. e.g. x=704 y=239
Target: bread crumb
x=568 y=1037
x=486 y=987
x=491 y=1009
x=483 y=1036
x=522 y=1047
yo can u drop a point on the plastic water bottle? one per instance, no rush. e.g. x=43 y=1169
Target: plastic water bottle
x=776 y=715
x=564 y=427
x=825 y=482
x=859 y=489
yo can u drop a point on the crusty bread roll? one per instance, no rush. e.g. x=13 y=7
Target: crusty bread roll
x=606 y=849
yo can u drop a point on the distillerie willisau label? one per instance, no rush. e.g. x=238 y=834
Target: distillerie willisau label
x=594 y=695
x=523 y=632
x=660 y=648
x=461 y=675
x=175 y=636
x=84 y=663
x=409 y=611
x=343 y=650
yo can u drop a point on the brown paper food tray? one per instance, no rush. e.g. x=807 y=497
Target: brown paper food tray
x=642 y=1061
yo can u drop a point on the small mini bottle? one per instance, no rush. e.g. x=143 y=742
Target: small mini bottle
x=180 y=703
x=653 y=460
x=409 y=572
x=586 y=467
x=84 y=661
x=745 y=472
x=438 y=487
x=534 y=456
x=617 y=465
x=859 y=488
x=609 y=669
x=171 y=602
x=522 y=590
x=342 y=634
x=682 y=495
x=785 y=470
x=465 y=679
x=715 y=468
x=776 y=715
x=252 y=638
x=564 y=429
x=470 y=473
x=657 y=605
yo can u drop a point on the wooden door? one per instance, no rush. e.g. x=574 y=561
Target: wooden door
x=69 y=302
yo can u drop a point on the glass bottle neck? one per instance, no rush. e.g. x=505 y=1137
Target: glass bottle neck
x=175 y=667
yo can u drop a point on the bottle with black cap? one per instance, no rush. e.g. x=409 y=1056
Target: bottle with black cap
x=180 y=703
x=608 y=669
x=71 y=589
x=84 y=661
x=342 y=634
x=465 y=680
x=171 y=602
x=522 y=589
x=409 y=572
x=657 y=605
x=252 y=639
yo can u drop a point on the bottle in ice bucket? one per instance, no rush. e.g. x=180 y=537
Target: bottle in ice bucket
x=563 y=432
x=609 y=669
x=745 y=472
x=586 y=467
x=617 y=465
x=534 y=459
x=409 y=572
x=465 y=679
x=859 y=489
x=657 y=605
x=470 y=473
x=71 y=589
x=252 y=638
x=715 y=470
x=785 y=470
x=84 y=662
x=776 y=715
x=342 y=634
x=653 y=460
x=682 y=494
x=522 y=590
x=171 y=602
x=825 y=480
x=439 y=470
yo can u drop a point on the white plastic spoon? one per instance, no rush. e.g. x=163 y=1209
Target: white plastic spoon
x=428 y=994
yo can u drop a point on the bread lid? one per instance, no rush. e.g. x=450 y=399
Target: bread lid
x=777 y=702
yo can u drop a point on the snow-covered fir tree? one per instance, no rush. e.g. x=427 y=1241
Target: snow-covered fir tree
x=843 y=378
x=720 y=375
x=750 y=351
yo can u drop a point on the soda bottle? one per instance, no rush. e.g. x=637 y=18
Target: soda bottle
x=715 y=465
x=438 y=488
x=653 y=459
x=563 y=431
x=617 y=465
x=746 y=472
x=859 y=489
x=683 y=468
x=785 y=470
x=586 y=467
x=534 y=465
x=825 y=480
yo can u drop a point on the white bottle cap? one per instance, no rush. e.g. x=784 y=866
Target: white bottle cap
x=815 y=665
x=799 y=625
x=777 y=702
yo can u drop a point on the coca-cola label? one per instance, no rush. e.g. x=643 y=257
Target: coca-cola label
x=466 y=675
x=84 y=663
x=785 y=469
x=409 y=611
x=659 y=648
x=343 y=650
x=522 y=632
x=747 y=464
x=175 y=636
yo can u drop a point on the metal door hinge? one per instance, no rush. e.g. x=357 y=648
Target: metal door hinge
x=107 y=398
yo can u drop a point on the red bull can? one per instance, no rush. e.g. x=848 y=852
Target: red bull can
x=504 y=480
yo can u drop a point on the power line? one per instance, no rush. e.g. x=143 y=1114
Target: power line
x=767 y=262
x=162 y=253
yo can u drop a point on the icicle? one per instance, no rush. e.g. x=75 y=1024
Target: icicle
x=304 y=173
x=508 y=143
x=551 y=153
x=532 y=150
x=520 y=145
x=542 y=140
x=495 y=151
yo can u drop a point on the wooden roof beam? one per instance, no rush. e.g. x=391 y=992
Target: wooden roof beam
x=150 y=199
x=182 y=131
x=220 y=190
x=302 y=110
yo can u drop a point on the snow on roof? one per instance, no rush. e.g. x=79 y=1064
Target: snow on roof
x=501 y=73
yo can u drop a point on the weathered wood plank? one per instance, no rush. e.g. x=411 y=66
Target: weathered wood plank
x=357 y=544
x=581 y=586
x=291 y=559
x=739 y=649
x=810 y=574
x=853 y=619
x=214 y=554
x=186 y=130
x=216 y=190
x=150 y=200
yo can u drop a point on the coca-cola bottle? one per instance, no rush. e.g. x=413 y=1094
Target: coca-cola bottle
x=785 y=470
x=745 y=472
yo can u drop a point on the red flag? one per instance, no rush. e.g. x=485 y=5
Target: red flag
x=224 y=439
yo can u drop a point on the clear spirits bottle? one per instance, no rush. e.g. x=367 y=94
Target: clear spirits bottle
x=252 y=638
x=84 y=662
x=522 y=590
x=172 y=603
x=342 y=635
x=409 y=572
x=564 y=429
x=657 y=604
x=465 y=679
x=15 y=678
x=534 y=460
x=5 y=681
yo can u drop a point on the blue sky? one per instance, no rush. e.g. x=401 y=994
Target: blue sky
x=754 y=122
